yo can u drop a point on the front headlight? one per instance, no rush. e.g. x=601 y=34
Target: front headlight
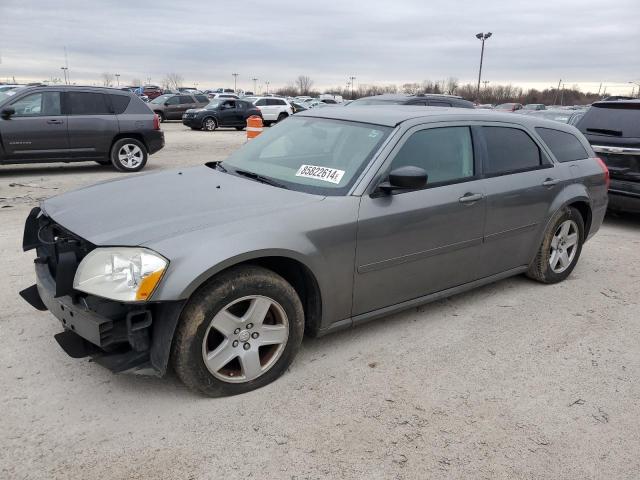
x=124 y=274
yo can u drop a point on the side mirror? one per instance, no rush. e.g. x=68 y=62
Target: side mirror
x=7 y=112
x=405 y=178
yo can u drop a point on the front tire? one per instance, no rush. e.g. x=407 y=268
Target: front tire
x=129 y=155
x=160 y=116
x=238 y=332
x=281 y=117
x=560 y=249
x=209 y=124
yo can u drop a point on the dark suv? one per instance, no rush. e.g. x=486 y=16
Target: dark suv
x=70 y=124
x=613 y=130
x=221 y=112
x=428 y=99
x=172 y=106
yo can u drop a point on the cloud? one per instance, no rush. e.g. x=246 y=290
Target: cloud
x=378 y=41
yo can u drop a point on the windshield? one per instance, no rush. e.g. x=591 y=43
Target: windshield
x=313 y=155
x=161 y=99
x=506 y=105
x=213 y=104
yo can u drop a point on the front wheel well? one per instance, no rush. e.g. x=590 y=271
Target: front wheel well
x=303 y=282
x=585 y=212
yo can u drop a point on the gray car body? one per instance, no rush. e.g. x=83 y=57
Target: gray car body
x=368 y=255
x=69 y=138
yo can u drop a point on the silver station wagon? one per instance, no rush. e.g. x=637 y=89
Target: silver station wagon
x=332 y=218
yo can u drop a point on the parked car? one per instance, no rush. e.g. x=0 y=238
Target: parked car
x=534 y=106
x=428 y=99
x=273 y=109
x=73 y=124
x=508 y=107
x=76 y=124
x=220 y=112
x=613 y=130
x=563 y=116
x=331 y=219
x=298 y=106
x=172 y=106
x=152 y=91
x=222 y=95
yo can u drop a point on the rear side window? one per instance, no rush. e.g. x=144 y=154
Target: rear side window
x=615 y=120
x=275 y=101
x=119 y=103
x=87 y=103
x=509 y=150
x=446 y=154
x=261 y=102
x=202 y=98
x=185 y=99
x=565 y=147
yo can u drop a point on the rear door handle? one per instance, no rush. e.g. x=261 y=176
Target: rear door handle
x=470 y=197
x=55 y=122
x=550 y=182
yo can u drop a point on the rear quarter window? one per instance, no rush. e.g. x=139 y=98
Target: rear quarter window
x=564 y=146
x=120 y=103
x=510 y=150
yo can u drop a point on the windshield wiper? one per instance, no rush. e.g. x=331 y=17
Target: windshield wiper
x=259 y=178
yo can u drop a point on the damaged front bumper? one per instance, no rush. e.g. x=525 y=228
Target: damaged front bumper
x=124 y=337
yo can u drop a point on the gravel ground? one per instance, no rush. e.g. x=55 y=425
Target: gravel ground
x=513 y=380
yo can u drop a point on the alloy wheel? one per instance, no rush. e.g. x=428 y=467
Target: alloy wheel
x=245 y=339
x=130 y=155
x=564 y=246
x=210 y=124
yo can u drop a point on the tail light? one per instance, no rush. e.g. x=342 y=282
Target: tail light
x=605 y=169
x=156 y=122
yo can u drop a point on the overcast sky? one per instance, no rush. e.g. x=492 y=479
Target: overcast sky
x=534 y=43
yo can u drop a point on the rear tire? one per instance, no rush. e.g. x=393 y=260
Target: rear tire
x=218 y=347
x=560 y=249
x=129 y=155
x=240 y=128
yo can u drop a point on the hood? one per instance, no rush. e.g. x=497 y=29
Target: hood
x=147 y=208
x=198 y=110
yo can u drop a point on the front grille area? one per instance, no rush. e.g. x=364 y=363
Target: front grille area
x=59 y=248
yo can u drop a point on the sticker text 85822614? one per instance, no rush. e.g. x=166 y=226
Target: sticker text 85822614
x=320 y=173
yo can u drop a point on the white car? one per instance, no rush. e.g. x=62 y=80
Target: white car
x=273 y=109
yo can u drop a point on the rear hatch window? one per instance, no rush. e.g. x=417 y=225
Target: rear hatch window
x=615 y=125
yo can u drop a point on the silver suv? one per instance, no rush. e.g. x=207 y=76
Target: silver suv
x=325 y=222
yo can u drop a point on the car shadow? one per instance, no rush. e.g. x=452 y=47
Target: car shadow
x=628 y=221
x=64 y=169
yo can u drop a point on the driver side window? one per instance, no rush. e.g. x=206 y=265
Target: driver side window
x=38 y=104
x=446 y=154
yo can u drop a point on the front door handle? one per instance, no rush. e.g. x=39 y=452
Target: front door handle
x=54 y=122
x=550 y=182
x=470 y=197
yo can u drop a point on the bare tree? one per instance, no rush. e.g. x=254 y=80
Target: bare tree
x=451 y=85
x=172 y=81
x=107 y=79
x=304 y=84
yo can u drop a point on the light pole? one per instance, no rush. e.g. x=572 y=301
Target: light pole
x=235 y=81
x=351 y=81
x=117 y=79
x=638 y=85
x=64 y=72
x=255 y=80
x=266 y=82
x=482 y=37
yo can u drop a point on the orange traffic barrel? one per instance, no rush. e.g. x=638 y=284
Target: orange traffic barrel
x=254 y=126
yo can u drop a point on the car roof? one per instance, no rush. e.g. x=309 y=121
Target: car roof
x=400 y=96
x=616 y=102
x=394 y=115
x=69 y=88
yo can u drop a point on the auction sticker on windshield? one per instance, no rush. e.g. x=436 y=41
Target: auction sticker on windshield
x=320 y=173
